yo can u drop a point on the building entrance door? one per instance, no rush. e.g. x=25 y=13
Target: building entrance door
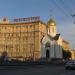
x=47 y=54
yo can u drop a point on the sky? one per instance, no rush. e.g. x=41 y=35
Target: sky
x=60 y=10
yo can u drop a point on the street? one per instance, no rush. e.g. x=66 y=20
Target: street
x=36 y=70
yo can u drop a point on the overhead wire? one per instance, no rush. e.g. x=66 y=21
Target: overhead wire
x=61 y=9
x=69 y=11
x=68 y=8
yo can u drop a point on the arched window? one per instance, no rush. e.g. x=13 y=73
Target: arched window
x=47 y=44
x=53 y=29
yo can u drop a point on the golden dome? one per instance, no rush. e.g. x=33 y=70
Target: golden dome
x=51 y=22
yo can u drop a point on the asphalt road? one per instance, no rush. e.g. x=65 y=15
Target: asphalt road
x=36 y=70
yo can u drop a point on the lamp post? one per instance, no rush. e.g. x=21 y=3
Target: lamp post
x=73 y=16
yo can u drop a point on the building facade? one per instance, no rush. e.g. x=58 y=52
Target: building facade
x=27 y=38
x=72 y=54
x=65 y=45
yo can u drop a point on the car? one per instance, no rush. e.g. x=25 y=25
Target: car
x=70 y=64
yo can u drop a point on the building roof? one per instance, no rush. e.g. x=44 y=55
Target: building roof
x=65 y=41
x=28 y=20
x=51 y=22
x=56 y=37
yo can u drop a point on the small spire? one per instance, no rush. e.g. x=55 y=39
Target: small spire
x=51 y=22
x=51 y=18
x=50 y=13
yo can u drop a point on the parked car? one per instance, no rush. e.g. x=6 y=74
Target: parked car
x=70 y=64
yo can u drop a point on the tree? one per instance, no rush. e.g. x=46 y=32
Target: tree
x=66 y=54
x=69 y=54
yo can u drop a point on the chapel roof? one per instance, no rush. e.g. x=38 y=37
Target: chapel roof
x=51 y=22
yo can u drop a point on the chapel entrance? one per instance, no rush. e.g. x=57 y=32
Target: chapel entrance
x=47 y=54
x=47 y=46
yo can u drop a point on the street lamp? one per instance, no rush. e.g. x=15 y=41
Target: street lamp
x=73 y=17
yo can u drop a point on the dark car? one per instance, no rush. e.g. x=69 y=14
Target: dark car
x=70 y=64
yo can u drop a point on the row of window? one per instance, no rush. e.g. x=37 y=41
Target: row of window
x=16 y=34
x=18 y=26
x=18 y=38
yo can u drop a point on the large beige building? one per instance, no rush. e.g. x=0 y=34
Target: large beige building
x=27 y=38
x=65 y=45
x=22 y=39
x=72 y=54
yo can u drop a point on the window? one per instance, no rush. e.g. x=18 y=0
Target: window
x=47 y=44
x=30 y=26
x=26 y=26
x=26 y=38
x=49 y=30
x=53 y=29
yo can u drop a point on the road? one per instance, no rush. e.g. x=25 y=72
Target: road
x=36 y=70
